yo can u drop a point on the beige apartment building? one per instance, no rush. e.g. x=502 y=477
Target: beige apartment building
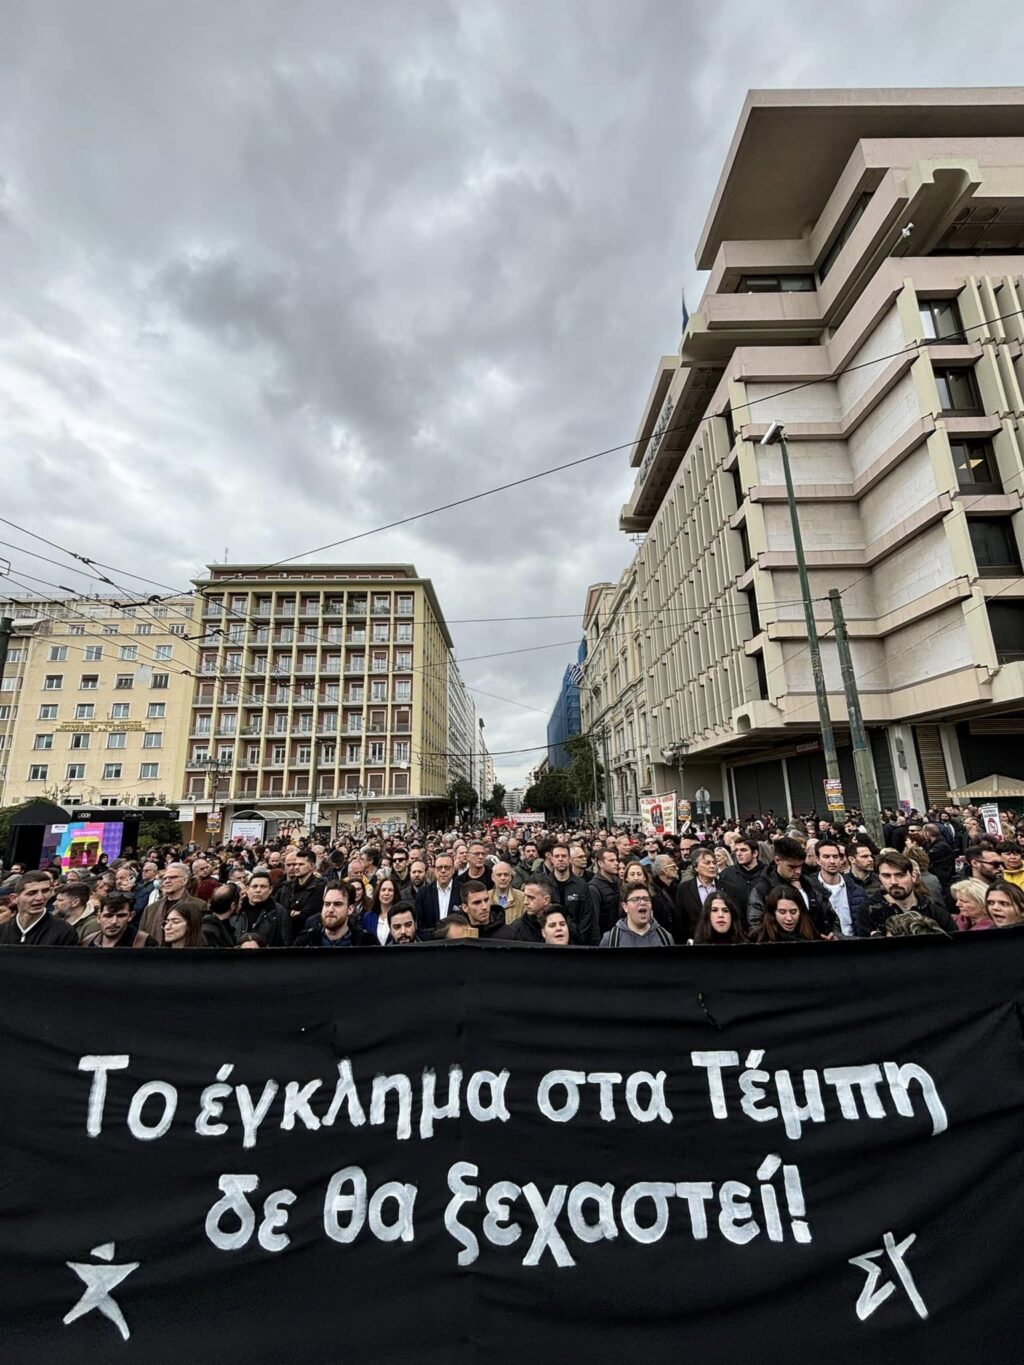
x=320 y=695
x=613 y=697
x=866 y=288
x=94 y=702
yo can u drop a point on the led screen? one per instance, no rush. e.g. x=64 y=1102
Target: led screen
x=80 y=843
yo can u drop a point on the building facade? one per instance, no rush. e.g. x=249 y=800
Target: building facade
x=866 y=258
x=94 y=702
x=565 y=719
x=321 y=693
x=613 y=698
x=462 y=727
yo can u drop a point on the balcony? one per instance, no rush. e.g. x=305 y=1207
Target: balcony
x=357 y=609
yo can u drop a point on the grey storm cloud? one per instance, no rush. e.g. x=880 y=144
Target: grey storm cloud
x=277 y=272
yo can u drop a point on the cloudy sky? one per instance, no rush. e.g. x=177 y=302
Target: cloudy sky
x=278 y=271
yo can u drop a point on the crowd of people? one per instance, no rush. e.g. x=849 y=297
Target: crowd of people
x=760 y=880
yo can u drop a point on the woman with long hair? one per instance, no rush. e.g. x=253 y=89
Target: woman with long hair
x=719 y=921
x=183 y=927
x=785 y=919
x=375 y=921
x=1004 y=902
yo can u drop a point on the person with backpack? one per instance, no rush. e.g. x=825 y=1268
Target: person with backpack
x=637 y=928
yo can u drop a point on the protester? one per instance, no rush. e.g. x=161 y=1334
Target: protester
x=605 y=893
x=786 y=918
x=637 y=927
x=897 y=875
x=115 y=928
x=738 y=880
x=331 y=927
x=1004 y=902
x=787 y=871
x=173 y=893
x=573 y=894
x=968 y=896
x=182 y=926
x=478 y=908
x=554 y=927
x=504 y=893
x=32 y=924
x=721 y=921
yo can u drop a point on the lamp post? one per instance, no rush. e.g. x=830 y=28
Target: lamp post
x=776 y=435
x=215 y=767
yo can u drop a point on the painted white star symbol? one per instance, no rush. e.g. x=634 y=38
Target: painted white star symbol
x=99 y=1280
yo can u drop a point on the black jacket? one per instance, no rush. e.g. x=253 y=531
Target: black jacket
x=573 y=895
x=47 y=932
x=664 y=903
x=526 y=929
x=219 y=933
x=687 y=909
x=879 y=910
x=818 y=900
x=428 y=912
x=738 y=882
x=606 y=898
x=299 y=903
x=942 y=862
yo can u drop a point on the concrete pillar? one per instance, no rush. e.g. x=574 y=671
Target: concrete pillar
x=950 y=742
x=909 y=786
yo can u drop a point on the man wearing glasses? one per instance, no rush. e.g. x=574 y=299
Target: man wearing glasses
x=637 y=928
x=985 y=864
x=173 y=892
x=116 y=929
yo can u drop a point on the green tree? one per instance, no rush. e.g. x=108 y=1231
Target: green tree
x=583 y=765
x=462 y=795
x=495 y=804
x=551 y=794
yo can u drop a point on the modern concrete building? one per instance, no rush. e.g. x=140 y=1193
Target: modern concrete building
x=565 y=715
x=94 y=702
x=322 y=690
x=866 y=255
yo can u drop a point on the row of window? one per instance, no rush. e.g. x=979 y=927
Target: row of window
x=89 y=682
x=311 y=605
x=176 y=628
x=375 y=752
x=351 y=787
x=94 y=653
x=119 y=710
x=116 y=739
x=112 y=772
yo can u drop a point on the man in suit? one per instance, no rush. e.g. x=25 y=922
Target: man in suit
x=435 y=900
x=504 y=894
x=691 y=895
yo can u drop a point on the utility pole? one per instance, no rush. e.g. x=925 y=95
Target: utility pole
x=863 y=765
x=607 y=781
x=776 y=435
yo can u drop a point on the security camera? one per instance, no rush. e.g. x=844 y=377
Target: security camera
x=774 y=433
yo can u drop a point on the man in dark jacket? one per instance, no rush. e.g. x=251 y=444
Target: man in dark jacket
x=691 y=894
x=897 y=873
x=605 y=892
x=300 y=897
x=528 y=928
x=861 y=858
x=32 y=923
x=941 y=858
x=664 y=876
x=849 y=901
x=221 y=921
x=738 y=880
x=572 y=894
x=332 y=928
x=787 y=870
x=486 y=918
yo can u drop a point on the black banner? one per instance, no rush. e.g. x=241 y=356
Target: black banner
x=468 y=1153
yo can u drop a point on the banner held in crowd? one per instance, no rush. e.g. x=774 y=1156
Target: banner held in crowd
x=469 y=1153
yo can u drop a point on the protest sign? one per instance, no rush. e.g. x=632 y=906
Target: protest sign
x=471 y=1153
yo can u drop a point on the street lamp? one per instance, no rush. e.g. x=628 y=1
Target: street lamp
x=215 y=767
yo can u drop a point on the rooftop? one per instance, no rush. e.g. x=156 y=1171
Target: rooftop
x=790 y=145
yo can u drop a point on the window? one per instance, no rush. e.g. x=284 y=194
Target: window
x=58 y=654
x=89 y=682
x=405 y=604
x=5 y=713
x=375 y=751
x=958 y=390
x=85 y=710
x=76 y=630
x=160 y=680
x=843 y=235
x=403 y=690
x=142 y=629
x=401 y=751
x=378 y=691
x=14 y=656
x=277 y=754
x=975 y=465
x=124 y=682
x=156 y=710
x=53 y=682
x=43 y=742
x=9 y=684
x=178 y=628
x=48 y=711
x=110 y=800
x=381 y=604
x=160 y=612
x=1006 y=620
x=940 y=320
x=776 y=284
x=149 y=772
x=76 y=772
x=110 y=630
x=403 y=632
x=403 y=658
x=112 y=771
x=93 y=654
x=380 y=633
x=153 y=740
x=304 y=753
x=163 y=652
x=400 y=783
x=120 y=710
x=128 y=611
x=995 y=546
x=128 y=653
x=80 y=741
x=116 y=739
x=38 y=772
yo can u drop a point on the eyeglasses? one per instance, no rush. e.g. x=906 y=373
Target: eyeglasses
x=638 y=900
